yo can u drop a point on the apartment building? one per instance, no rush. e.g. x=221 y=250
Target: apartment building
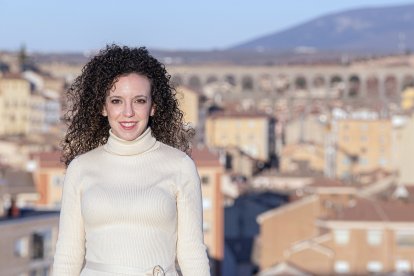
x=48 y=174
x=407 y=98
x=188 y=101
x=294 y=157
x=335 y=231
x=28 y=236
x=15 y=105
x=211 y=173
x=362 y=145
x=404 y=153
x=28 y=243
x=253 y=133
x=306 y=128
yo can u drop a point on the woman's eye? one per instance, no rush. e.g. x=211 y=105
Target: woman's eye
x=115 y=101
x=140 y=101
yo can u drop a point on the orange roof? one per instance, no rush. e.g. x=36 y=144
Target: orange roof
x=375 y=211
x=238 y=114
x=48 y=159
x=203 y=157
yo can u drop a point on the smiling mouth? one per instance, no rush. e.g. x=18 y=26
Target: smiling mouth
x=128 y=125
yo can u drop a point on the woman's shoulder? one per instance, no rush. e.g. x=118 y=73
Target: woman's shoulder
x=170 y=151
x=89 y=156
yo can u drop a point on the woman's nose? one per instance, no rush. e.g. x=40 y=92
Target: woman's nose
x=128 y=110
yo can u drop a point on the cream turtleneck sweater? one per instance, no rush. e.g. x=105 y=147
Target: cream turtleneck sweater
x=131 y=205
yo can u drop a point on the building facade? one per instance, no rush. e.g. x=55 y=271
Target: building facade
x=211 y=173
x=254 y=134
x=15 y=105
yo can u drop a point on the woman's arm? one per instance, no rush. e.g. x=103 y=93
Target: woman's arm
x=191 y=251
x=70 y=247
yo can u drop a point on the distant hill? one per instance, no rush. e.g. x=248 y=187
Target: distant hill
x=375 y=30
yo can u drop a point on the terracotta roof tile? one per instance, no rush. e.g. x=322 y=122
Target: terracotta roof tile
x=203 y=157
x=376 y=210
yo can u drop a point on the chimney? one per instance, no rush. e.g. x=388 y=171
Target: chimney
x=13 y=211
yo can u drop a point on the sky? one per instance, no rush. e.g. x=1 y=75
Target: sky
x=85 y=25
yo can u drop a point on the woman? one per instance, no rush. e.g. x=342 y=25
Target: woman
x=131 y=200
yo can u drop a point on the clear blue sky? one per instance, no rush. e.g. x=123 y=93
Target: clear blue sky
x=82 y=25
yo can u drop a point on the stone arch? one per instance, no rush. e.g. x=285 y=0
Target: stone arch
x=318 y=81
x=194 y=82
x=354 y=86
x=230 y=79
x=408 y=81
x=300 y=83
x=391 y=87
x=282 y=84
x=265 y=83
x=336 y=87
x=177 y=80
x=212 y=79
x=372 y=86
x=247 y=83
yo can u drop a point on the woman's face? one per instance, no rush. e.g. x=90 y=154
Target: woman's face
x=128 y=106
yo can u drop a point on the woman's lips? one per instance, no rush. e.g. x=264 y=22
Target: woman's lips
x=128 y=125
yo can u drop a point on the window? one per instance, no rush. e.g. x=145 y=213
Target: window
x=205 y=179
x=405 y=238
x=346 y=161
x=206 y=226
x=402 y=266
x=341 y=267
x=206 y=203
x=383 y=161
x=363 y=161
x=341 y=236
x=37 y=246
x=21 y=247
x=40 y=272
x=57 y=180
x=374 y=237
x=41 y=244
x=374 y=266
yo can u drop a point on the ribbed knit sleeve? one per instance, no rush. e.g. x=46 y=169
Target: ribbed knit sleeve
x=191 y=251
x=70 y=247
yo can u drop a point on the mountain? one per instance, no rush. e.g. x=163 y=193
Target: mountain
x=382 y=29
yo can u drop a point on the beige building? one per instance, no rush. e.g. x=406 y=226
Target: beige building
x=308 y=129
x=48 y=175
x=188 y=100
x=15 y=105
x=37 y=113
x=211 y=173
x=294 y=157
x=407 y=98
x=336 y=232
x=363 y=145
x=239 y=163
x=405 y=154
x=253 y=133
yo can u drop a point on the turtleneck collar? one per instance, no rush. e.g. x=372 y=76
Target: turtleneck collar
x=119 y=146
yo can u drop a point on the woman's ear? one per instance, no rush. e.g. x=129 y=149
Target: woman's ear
x=152 y=110
x=104 y=113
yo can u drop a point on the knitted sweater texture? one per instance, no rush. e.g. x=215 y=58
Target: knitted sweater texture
x=133 y=204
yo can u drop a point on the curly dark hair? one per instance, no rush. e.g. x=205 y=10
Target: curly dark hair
x=88 y=128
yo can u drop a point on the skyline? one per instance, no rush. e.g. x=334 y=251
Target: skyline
x=48 y=26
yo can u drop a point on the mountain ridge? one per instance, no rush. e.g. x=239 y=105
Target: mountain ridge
x=375 y=29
